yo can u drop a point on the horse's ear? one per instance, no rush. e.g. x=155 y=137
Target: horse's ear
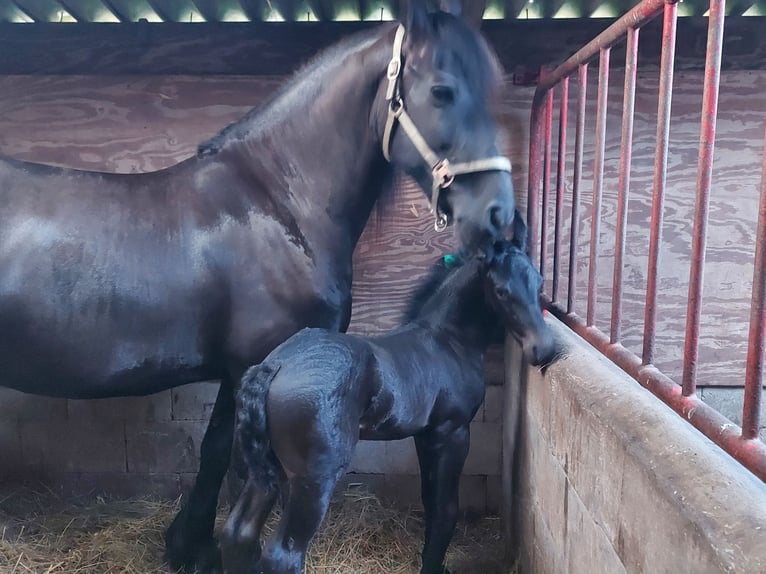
x=519 y=229
x=472 y=11
x=414 y=15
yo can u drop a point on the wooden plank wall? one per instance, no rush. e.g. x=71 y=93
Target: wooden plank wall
x=139 y=123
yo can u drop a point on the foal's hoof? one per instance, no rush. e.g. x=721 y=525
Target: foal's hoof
x=189 y=554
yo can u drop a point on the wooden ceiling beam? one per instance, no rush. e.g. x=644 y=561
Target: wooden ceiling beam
x=161 y=11
x=322 y=9
x=32 y=10
x=253 y=9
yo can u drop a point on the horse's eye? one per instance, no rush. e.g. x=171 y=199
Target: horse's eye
x=501 y=292
x=443 y=95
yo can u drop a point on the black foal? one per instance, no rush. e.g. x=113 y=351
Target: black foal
x=302 y=411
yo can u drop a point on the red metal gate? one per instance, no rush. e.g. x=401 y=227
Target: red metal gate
x=742 y=443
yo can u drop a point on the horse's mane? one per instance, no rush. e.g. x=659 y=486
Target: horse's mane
x=299 y=83
x=458 y=42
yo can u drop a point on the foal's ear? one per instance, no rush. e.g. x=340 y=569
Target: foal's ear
x=519 y=229
x=414 y=15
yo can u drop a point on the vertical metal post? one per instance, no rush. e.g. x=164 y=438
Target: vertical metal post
x=535 y=169
x=598 y=181
x=546 y=180
x=660 y=174
x=704 y=177
x=623 y=186
x=755 y=343
x=582 y=76
x=560 y=185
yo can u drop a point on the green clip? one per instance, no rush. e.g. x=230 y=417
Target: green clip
x=450 y=260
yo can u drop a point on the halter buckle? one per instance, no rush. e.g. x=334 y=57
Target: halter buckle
x=442 y=174
x=394 y=67
x=397 y=106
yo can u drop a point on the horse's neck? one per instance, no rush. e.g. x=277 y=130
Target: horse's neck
x=323 y=157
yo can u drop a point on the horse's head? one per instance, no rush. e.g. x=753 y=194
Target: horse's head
x=513 y=288
x=438 y=127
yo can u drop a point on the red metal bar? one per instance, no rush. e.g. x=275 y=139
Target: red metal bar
x=574 y=233
x=639 y=15
x=623 y=185
x=704 y=177
x=546 y=180
x=660 y=173
x=635 y=18
x=727 y=435
x=535 y=172
x=598 y=182
x=755 y=346
x=742 y=444
x=560 y=185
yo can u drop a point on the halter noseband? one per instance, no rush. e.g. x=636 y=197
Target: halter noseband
x=442 y=172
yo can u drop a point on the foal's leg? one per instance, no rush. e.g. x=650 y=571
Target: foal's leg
x=240 y=539
x=189 y=542
x=441 y=457
x=306 y=507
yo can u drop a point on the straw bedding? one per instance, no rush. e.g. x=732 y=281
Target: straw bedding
x=43 y=534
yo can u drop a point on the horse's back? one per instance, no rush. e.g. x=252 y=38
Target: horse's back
x=97 y=295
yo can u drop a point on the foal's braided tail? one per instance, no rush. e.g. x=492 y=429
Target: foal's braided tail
x=252 y=426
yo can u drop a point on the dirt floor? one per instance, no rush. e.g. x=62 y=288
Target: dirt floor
x=43 y=534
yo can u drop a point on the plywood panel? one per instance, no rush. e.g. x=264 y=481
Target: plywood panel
x=129 y=124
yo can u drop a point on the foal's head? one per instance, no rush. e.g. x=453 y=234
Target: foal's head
x=513 y=288
x=478 y=299
x=445 y=84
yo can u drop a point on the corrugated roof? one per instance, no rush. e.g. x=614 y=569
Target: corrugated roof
x=67 y=11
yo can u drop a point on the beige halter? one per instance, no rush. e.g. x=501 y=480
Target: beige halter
x=442 y=172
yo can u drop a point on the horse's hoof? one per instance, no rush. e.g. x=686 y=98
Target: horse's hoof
x=204 y=559
x=188 y=553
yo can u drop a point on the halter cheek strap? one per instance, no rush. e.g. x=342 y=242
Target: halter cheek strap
x=442 y=172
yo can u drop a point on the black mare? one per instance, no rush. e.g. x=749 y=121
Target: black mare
x=129 y=284
x=301 y=412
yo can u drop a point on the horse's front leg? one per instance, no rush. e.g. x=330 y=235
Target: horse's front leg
x=189 y=542
x=441 y=456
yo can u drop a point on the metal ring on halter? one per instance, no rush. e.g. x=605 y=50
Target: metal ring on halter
x=441 y=222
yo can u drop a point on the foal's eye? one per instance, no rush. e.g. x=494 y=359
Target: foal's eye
x=501 y=292
x=443 y=95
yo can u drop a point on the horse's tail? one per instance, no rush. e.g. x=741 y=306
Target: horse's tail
x=252 y=426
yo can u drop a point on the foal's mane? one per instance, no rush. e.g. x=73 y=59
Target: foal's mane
x=434 y=286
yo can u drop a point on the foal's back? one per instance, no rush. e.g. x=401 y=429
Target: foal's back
x=331 y=386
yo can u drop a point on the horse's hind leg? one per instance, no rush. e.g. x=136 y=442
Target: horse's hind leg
x=189 y=542
x=441 y=457
x=307 y=503
x=240 y=539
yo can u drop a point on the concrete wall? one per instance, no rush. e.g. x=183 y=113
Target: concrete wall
x=601 y=477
